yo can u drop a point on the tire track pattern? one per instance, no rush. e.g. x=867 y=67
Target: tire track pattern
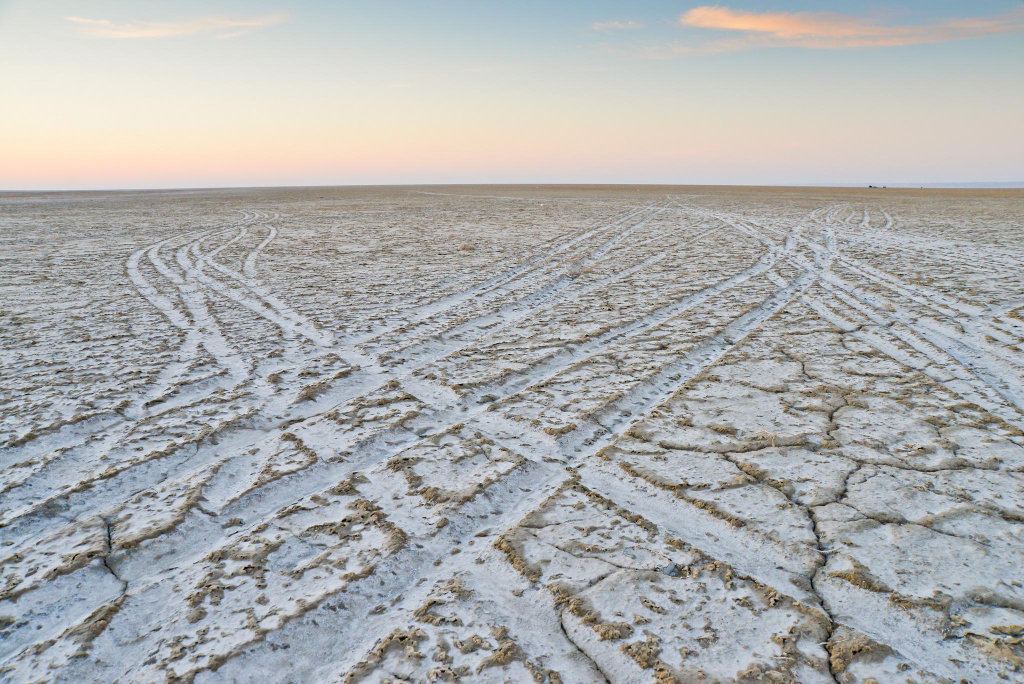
x=682 y=441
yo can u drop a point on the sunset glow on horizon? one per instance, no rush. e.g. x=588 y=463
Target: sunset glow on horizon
x=189 y=94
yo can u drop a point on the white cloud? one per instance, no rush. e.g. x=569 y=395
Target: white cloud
x=215 y=26
x=616 y=25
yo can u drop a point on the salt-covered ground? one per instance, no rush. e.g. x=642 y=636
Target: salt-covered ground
x=512 y=434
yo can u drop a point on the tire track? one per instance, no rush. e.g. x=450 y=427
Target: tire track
x=552 y=366
x=201 y=330
x=361 y=382
x=490 y=287
x=472 y=407
x=990 y=372
x=615 y=420
x=402 y=573
x=48 y=446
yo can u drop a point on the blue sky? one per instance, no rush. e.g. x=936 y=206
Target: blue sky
x=158 y=94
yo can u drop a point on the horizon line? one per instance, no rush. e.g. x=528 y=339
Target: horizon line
x=965 y=185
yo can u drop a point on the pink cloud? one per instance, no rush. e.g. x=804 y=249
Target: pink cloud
x=822 y=30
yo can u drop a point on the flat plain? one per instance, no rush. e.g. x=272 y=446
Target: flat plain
x=525 y=434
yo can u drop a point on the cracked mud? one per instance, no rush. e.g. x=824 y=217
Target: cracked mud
x=507 y=434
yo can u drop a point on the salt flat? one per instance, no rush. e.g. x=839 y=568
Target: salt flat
x=554 y=434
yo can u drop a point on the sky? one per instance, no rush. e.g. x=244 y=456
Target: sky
x=217 y=93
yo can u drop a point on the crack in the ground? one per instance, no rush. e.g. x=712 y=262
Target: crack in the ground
x=812 y=579
x=594 y=663
x=106 y=558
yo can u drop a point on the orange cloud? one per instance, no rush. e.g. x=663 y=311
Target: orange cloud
x=824 y=30
x=221 y=28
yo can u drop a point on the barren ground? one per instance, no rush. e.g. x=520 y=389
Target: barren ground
x=574 y=434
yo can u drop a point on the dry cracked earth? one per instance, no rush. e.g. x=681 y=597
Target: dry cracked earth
x=512 y=434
